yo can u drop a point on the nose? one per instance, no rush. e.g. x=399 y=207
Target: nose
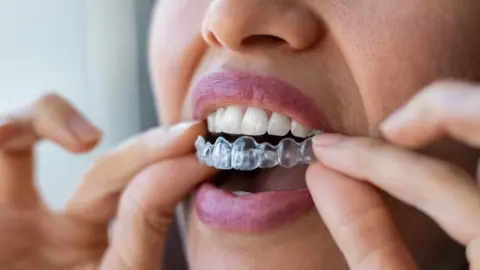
x=242 y=24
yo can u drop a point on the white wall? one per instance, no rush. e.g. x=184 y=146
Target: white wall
x=87 y=51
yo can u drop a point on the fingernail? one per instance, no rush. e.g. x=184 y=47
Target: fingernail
x=395 y=120
x=83 y=129
x=452 y=99
x=161 y=136
x=182 y=127
x=324 y=140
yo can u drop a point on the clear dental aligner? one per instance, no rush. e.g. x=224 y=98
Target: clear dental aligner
x=245 y=154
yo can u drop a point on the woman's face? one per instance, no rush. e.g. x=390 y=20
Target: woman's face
x=349 y=62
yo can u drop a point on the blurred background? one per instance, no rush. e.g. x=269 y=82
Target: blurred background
x=93 y=52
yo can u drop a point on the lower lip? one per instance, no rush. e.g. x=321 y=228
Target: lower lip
x=253 y=213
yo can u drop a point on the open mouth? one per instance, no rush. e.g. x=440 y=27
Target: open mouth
x=259 y=136
x=248 y=142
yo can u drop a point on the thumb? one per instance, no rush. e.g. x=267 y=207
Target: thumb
x=146 y=212
x=358 y=220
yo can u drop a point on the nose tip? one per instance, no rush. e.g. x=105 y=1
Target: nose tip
x=237 y=25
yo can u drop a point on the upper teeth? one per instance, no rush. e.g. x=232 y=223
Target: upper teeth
x=254 y=121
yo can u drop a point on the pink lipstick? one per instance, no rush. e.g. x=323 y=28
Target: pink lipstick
x=269 y=208
x=240 y=88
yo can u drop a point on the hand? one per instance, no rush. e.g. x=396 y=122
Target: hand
x=156 y=170
x=354 y=167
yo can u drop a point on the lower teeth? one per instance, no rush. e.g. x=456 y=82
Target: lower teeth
x=245 y=154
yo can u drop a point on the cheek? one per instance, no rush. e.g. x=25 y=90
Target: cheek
x=395 y=50
x=176 y=48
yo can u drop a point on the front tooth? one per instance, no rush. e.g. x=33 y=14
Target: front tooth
x=299 y=130
x=218 y=119
x=211 y=123
x=255 y=122
x=232 y=120
x=279 y=125
x=241 y=193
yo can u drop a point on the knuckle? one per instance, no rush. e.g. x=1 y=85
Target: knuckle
x=25 y=112
x=49 y=98
x=152 y=219
x=51 y=103
x=158 y=223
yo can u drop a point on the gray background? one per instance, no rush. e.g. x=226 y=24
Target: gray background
x=93 y=52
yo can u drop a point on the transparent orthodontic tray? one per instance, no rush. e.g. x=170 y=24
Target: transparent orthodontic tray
x=245 y=154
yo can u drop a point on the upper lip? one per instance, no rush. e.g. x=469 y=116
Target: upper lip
x=223 y=88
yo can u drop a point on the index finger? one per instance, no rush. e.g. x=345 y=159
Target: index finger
x=97 y=196
x=445 y=108
x=147 y=209
x=50 y=117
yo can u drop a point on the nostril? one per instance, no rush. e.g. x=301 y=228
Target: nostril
x=262 y=40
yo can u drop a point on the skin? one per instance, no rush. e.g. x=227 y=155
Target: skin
x=392 y=192
x=358 y=60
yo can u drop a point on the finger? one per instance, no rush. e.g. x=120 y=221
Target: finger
x=447 y=108
x=445 y=193
x=147 y=210
x=473 y=254
x=8 y=130
x=358 y=220
x=50 y=117
x=96 y=198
